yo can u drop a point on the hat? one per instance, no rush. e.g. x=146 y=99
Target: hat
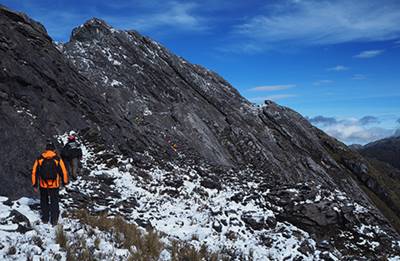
x=71 y=138
x=50 y=146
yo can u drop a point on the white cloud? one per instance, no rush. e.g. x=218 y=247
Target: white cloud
x=338 y=68
x=176 y=15
x=363 y=130
x=359 y=77
x=369 y=54
x=357 y=134
x=322 y=120
x=324 y=22
x=273 y=87
x=167 y=16
x=272 y=97
x=322 y=82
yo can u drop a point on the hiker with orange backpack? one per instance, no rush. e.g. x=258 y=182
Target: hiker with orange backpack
x=48 y=174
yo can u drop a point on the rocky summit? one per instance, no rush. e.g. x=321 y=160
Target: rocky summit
x=176 y=153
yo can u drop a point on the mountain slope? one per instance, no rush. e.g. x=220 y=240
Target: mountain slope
x=132 y=99
x=236 y=221
x=386 y=150
x=175 y=103
x=273 y=140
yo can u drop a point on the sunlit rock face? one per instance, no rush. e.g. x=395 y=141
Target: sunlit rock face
x=160 y=129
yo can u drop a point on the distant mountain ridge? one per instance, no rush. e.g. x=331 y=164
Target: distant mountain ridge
x=386 y=150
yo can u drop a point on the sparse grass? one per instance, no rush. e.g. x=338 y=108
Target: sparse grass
x=195 y=237
x=79 y=251
x=61 y=237
x=185 y=252
x=152 y=244
x=97 y=243
x=76 y=250
x=143 y=246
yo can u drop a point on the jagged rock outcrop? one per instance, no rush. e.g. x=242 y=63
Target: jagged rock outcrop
x=127 y=95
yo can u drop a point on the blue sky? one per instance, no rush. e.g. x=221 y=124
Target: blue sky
x=336 y=62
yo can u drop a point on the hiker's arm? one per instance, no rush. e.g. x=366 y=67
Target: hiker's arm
x=34 y=176
x=64 y=173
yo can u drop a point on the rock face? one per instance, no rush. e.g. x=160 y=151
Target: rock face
x=180 y=108
x=41 y=95
x=127 y=94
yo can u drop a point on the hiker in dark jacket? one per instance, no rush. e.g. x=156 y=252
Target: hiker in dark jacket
x=72 y=155
x=48 y=173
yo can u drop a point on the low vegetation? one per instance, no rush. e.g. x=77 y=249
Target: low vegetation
x=183 y=251
x=143 y=245
x=61 y=237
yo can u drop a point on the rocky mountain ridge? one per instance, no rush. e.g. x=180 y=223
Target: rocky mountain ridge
x=386 y=150
x=129 y=96
x=195 y=110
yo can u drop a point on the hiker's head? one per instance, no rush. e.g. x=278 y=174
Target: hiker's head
x=50 y=146
x=72 y=136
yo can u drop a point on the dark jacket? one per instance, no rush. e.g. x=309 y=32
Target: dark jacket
x=71 y=151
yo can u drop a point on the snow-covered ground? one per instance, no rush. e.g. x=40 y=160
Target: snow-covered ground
x=180 y=208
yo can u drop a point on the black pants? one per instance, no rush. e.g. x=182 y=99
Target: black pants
x=49 y=204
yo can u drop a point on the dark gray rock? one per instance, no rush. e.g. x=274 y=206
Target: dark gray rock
x=17 y=217
x=254 y=221
x=271 y=222
x=128 y=94
x=306 y=248
x=143 y=223
x=217 y=226
x=211 y=184
x=318 y=214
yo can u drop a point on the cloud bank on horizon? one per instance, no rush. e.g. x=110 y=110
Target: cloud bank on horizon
x=352 y=130
x=319 y=57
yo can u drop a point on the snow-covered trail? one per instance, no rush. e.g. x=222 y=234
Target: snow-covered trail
x=174 y=201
